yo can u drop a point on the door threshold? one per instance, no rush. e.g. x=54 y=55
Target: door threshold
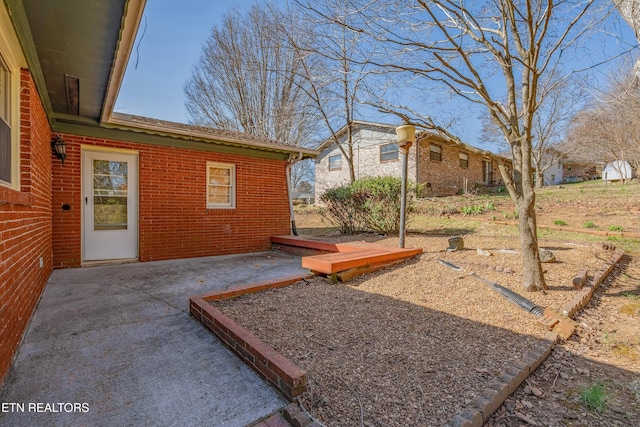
x=108 y=262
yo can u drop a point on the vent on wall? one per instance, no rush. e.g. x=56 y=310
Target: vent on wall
x=73 y=94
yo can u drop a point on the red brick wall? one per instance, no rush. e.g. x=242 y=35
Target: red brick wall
x=25 y=226
x=174 y=220
x=446 y=177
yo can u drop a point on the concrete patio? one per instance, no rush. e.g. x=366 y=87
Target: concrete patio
x=115 y=345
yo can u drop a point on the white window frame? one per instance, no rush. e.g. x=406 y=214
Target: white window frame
x=232 y=185
x=5 y=123
x=13 y=60
x=339 y=161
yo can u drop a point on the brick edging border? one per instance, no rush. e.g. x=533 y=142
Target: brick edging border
x=291 y=381
x=279 y=371
x=497 y=392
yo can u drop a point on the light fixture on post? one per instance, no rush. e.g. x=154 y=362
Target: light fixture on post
x=59 y=147
x=405 y=135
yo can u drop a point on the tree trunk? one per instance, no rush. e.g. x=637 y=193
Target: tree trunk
x=533 y=278
x=539 y=179
x=520 y=187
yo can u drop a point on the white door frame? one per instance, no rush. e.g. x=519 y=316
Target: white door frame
x=121 y=244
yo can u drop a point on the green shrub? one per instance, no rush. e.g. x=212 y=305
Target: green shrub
x=615 y=228
x=589 y=224
x=343 y=209
x=559 y=222
x=368 y=204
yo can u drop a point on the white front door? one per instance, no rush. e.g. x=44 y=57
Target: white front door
x=110 y=202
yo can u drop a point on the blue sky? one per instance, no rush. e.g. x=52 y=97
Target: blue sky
x=169 y=43
x=162 y=58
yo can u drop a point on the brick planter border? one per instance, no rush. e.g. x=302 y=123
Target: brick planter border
x=291 y=381
x=279 y=371
x=483 y=406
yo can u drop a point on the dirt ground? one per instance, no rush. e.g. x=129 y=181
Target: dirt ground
x=414 y=344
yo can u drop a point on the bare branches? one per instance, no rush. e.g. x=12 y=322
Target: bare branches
x=247 y=79
x=609 y=129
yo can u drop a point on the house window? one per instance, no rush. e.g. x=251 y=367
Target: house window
x=6 y=160
x=335 y=162
x=221 y=186
x=463 y=160
x=435 y=152
x=388 y=152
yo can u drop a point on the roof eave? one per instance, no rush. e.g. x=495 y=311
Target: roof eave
x=121 y=122
x=130 y=24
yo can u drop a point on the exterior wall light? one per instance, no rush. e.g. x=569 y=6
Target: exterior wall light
x=59 y=148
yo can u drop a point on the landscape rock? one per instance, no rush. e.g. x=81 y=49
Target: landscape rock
x=546 y=255
x=455 y=244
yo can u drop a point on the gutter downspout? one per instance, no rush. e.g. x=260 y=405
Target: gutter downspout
x=292 y=160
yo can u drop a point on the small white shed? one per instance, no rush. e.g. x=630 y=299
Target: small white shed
x=617 y=170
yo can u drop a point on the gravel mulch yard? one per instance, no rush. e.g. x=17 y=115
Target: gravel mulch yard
x=413 y=344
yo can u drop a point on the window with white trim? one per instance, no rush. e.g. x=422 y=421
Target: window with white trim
x=335 y=162
x=6 y=162
x=221 y=185
x=11 y=61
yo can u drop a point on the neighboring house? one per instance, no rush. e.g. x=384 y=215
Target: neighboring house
x=565 y=168
x=443 y=166
x=130 y=188
x=375 y=153
x=575 y=171
x=554 y=174
x=618 y=170
x=552 y=165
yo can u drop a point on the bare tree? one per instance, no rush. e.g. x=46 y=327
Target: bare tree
x=335 y=68
x=609 y=128
x=249 y=79
x=550 y=124
x=502 y=55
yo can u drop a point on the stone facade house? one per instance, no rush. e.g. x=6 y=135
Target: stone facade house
x=443 y=166
x=127 y=188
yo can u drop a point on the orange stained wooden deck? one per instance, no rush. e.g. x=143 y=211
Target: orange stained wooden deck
x=339 y=257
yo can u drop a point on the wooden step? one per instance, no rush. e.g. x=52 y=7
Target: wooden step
x=341 y=261
x=304 y=243
x=337 y=257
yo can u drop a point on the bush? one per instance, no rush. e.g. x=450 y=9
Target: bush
x=343 y=209
x=367 y=204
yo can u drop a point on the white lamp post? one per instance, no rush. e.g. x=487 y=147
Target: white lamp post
x=405 y=135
